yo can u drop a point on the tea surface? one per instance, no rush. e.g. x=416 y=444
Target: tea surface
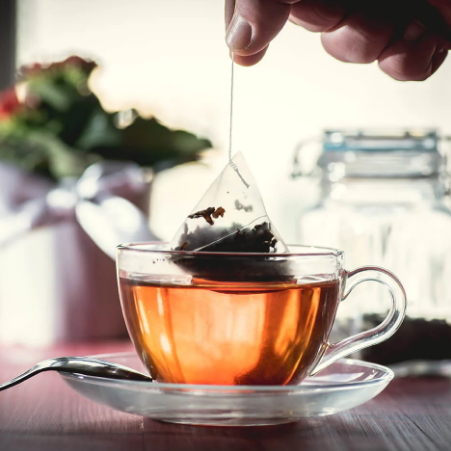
x=229 y=333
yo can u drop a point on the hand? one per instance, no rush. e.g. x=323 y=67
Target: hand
x=353 y=31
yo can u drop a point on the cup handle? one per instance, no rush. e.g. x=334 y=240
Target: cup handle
x=335 y=351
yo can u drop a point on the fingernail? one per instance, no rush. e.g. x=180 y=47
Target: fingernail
x=413 y=31
x=239 y=33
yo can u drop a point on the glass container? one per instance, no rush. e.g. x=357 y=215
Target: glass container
x=384 y=202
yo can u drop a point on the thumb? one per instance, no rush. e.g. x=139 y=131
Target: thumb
x=229 y=10
x=254 y=24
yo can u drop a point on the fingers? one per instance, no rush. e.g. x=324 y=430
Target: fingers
x=318 y=15
x=253 y=25
x=415 y=57
x=354 y=32
x=444 y=7
x=361 y=37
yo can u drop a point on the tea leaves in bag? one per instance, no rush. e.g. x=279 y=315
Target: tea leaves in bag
x=230 y=217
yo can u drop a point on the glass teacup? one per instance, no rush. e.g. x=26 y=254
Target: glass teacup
x=242 y=318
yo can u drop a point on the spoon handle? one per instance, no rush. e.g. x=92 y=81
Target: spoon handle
x=84 y=366
x=22 y=377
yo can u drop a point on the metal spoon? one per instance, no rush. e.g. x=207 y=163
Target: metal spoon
x=84 y=366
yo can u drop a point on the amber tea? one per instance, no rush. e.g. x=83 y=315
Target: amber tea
x=228 y=333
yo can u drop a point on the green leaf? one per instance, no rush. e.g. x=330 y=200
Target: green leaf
x=99 y=132
x=150 y=143
x=55 y=96
x=42 y=153
x=67 y=129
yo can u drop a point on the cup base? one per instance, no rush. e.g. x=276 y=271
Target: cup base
x=231 y=422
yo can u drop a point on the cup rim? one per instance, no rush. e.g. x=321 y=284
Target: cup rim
x=313 y=251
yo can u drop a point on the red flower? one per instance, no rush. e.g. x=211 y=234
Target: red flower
x=86 y=65
x=9 y=104
x=31 y=69
x=35 y=69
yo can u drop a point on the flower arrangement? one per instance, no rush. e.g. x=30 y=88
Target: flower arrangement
x=57 y=126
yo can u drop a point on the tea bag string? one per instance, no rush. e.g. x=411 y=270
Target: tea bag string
x=231 y=163
x=231 y=109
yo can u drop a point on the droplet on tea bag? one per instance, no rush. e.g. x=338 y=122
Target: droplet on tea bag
x=230 y=217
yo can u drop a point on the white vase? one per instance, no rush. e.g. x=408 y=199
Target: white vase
x=17 y=186
x=56 y=285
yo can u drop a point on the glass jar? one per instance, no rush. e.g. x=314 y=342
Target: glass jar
x=384 y=201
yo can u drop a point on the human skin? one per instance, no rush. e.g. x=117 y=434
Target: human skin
x=353 y=31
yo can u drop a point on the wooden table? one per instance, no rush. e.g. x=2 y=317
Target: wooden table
x=44 y=414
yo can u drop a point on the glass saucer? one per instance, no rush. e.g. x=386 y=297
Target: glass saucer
x=342 y=386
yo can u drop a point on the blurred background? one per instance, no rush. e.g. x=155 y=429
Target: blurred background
x=169 y=60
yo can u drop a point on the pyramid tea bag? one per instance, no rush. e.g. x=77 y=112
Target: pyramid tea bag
x=230 y=217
